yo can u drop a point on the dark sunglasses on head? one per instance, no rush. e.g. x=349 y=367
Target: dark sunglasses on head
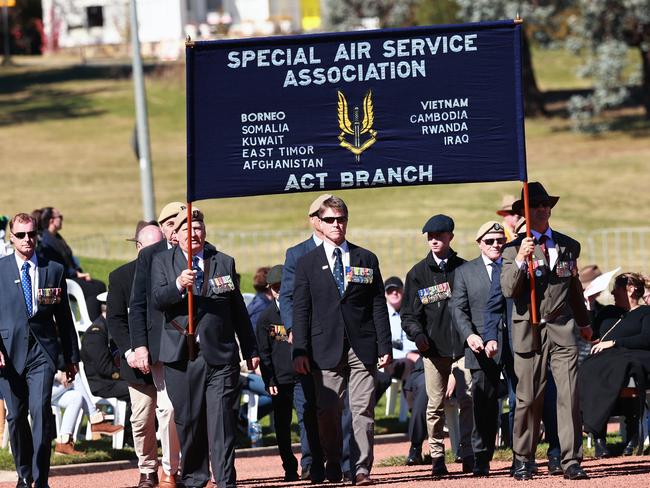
x=21 y=235
x=330 y=220
x=496 y=240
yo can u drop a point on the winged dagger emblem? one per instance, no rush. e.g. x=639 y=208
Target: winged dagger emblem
x=356 y=127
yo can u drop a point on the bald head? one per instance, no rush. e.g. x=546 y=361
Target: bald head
x=148 y=235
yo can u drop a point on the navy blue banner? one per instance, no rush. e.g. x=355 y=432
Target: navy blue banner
x=394 y=107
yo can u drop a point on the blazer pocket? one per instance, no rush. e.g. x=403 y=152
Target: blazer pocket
x=5 y=334
x=316 y=331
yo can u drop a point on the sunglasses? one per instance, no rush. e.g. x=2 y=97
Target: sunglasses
x=496 y=240
x=21 y=235
x=330 y=220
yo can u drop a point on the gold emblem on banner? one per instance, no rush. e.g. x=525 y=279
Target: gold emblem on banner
x=356 y=127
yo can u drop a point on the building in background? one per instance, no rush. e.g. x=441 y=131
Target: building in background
x=101 y=27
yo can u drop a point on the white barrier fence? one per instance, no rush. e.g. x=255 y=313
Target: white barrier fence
x=397 y=250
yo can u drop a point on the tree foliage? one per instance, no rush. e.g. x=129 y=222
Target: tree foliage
x=352 y=14
x=602 y=31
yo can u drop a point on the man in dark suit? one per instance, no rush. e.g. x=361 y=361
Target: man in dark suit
x=34 y=317
x=305 y=397
x=560 y=307
x=339 y=305
x=471 y=286
x=202 y=388
x=147 y=400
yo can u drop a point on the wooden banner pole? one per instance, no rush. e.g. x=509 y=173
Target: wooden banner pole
x=531 y=272
x=191 y=344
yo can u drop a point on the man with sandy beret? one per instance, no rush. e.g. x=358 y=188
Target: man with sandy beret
x=469 y=295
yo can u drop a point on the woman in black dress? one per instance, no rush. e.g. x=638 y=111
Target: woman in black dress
x=623 y=351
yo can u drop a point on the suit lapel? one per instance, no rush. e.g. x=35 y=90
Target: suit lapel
x=323 y=263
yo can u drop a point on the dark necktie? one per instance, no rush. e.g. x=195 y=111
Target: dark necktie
x=199 y=274
x=496 y=271
x=542 y=243
x=443 y=266
x=338 y=271
x=27 y=288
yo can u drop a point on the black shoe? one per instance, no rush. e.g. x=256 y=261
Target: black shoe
x=291 y=476
x=23 y=483
x=468 y=464
x=575 y=472
x=415 y=456
x=333 y=472
x=631 y=446
x=438 y=467
x=481 y=466
x=347 y=476
x=600 y=448
x=316 y=474
x=305 y=474
x=522 y=470
x=532 y=467
x=554 y=466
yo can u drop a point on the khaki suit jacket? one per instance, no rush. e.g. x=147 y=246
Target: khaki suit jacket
x=558 y=290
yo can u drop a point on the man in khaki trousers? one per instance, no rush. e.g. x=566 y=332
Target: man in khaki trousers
x=560 y=308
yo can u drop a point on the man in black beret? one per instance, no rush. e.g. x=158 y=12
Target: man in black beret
x=427 y=320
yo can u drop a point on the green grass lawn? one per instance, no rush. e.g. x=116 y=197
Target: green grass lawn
x=73 y=126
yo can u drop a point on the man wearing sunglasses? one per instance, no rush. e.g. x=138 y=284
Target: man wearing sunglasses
x=561 y=308
x=340 y=329
x=471 y=287
x=34 y=317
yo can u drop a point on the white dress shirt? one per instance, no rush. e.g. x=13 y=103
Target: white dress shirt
x=488 y=264
x=345 y=255
x=398 y=333
x=33 y=275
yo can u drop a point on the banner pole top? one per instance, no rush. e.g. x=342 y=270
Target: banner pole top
x=518 y=20
x=189 y=42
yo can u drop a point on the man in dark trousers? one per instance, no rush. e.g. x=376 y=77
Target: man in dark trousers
x=305 y=397
x=471 y=287
x=340 y=329
x=34 y=317
x=279 y=377
x=141 y=348
x=147 y=402
x=561 y=308
x=202 y=386
x=427 y=320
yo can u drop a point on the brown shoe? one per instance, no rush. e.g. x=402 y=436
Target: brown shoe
x=167 y=481
x=66 y=448
x=148 y=480
x=363 y=479
x=105 y=428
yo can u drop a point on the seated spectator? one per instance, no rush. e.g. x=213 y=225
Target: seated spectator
x=73 y=397
x=263 y=296
x=100 y=357
x=4 y=250
x=622 y=352
x=53 y=247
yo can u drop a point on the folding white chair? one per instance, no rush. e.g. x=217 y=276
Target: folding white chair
x=78 y=306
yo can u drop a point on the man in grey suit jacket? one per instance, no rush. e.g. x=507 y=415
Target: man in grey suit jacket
x=203 y=389
x=34 y=317
x=560 y=308
x=470 y=293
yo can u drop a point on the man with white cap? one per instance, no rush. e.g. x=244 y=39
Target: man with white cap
x=471 y=287
x=148 y=384
x=305 y=398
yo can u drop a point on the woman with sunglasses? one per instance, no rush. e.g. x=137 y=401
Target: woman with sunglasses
x=623 y=351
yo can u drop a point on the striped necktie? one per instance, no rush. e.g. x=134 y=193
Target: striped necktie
x=338 y=271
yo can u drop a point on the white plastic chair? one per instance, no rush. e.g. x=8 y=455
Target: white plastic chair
x=78 y=306
x=81 y=324
x=391 y=400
